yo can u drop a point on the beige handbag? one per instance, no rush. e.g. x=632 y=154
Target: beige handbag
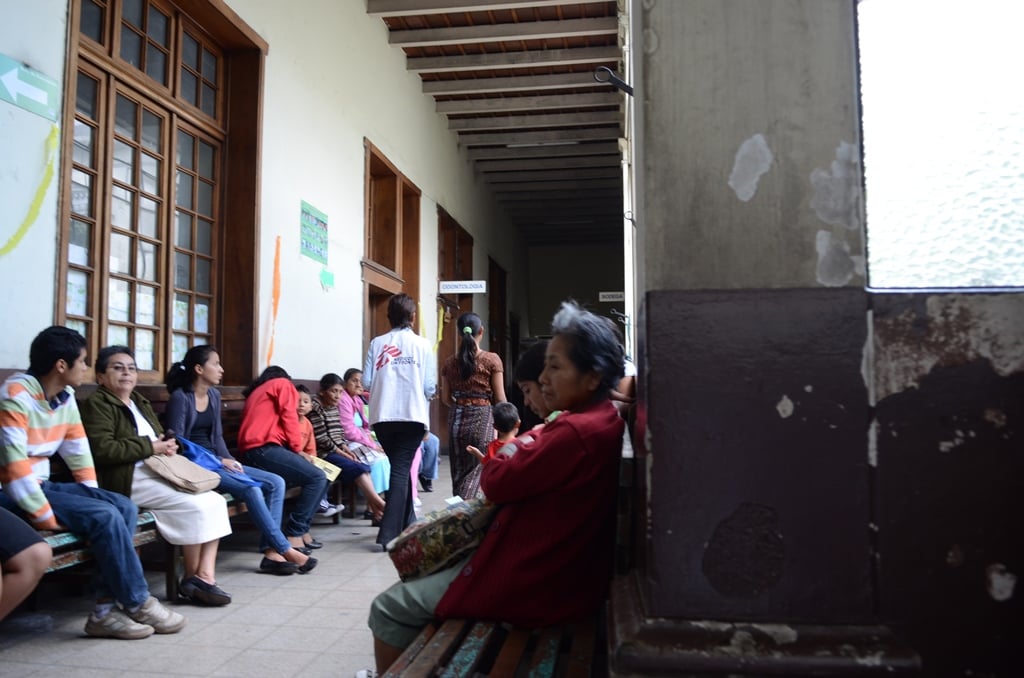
x=183 y=474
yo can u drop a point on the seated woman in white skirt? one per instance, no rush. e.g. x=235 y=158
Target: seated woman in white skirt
x=123 y=431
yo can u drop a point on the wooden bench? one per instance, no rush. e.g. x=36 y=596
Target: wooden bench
x=460 y=647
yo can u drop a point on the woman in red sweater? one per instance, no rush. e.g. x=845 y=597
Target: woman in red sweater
x=540 y=562
x=269 y=438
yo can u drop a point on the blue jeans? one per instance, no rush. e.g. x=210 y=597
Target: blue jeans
x=108 y=520
x=296 y=471
x=431 y=457
x=265 y=503
x=400 y=439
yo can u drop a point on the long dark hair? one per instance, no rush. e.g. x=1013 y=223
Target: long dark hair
x=183 y=373
x=469 y=325
x=272 y=372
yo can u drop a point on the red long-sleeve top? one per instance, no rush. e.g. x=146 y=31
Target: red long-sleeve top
x=269 y=417
x=547 y=556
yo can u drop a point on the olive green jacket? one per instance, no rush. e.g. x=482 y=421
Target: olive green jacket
x=115 y=442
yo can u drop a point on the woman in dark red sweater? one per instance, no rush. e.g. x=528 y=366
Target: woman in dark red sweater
x=541 y=560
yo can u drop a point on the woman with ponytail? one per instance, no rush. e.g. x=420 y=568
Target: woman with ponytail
x=193 y=412
x=471 y=381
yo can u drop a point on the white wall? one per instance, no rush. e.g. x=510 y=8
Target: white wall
x=33 y=33
x=332 y=79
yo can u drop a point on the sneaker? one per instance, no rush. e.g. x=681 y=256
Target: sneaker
x=417 y=502
x=366 y=673
x=159 y=617
x=196 y=590
x=328 y=509
x=116 y=624
x=426 y=483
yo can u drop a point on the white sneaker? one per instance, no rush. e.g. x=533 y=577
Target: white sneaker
x=417 y=502
x=366 y=673
x=116 y=624
x=328 y=509
x=159 y=617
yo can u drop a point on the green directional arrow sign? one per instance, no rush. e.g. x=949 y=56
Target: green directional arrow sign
x=28 y=88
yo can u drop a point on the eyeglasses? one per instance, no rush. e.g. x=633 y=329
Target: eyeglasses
x=121 y=367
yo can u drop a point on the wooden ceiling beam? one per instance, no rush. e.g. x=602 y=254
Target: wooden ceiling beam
x=537 y=103
x=539 y=138
x=534 y=121
x=389 y=8
x=507 y=32
x=515 y=164
x=567 y=150
x=516 y=83
x=498 y=60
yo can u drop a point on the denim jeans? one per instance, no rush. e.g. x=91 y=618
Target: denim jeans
x=400 y=439
x=265 y=503
x=431 y=457
x=296 y=471
x=108 y=520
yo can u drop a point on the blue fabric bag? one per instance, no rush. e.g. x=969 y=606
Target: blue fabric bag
x=208 y=460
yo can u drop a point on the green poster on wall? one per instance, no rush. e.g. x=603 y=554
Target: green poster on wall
x=313 y=235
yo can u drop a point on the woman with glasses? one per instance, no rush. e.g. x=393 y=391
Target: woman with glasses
x=123 y=431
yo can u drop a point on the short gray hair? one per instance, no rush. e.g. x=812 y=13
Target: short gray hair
x=595 y=345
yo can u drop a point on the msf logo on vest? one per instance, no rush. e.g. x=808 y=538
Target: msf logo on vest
x=386 y=355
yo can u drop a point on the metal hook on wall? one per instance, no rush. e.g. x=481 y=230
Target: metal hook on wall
x=605 y=74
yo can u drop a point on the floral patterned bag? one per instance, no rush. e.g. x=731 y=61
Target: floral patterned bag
x=441 y=538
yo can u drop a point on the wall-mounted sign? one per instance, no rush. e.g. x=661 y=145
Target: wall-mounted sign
x=611 y=296
x=313 y=234
x=28 y=88
x=463 y=287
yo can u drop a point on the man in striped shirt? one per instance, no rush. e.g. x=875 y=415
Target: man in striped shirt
x=38 y=418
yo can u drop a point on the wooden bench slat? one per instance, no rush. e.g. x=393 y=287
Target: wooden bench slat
x=581 y=652
x=406 y=658
x=511 y=653
x=439 y=649
x=471 y=651
x=545 y=655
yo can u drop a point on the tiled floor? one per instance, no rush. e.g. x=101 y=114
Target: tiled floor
x=310 y=626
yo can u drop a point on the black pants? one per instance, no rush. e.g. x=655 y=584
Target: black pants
x=400 y=439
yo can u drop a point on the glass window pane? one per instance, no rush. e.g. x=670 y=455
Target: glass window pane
x=80 y=243
x=117 y=335
x=184 y=190
x=209 y=101
x=203 y=276
x=152 y=126
x=84 y=144
x=77 y=293
x=145 y=306
x=205 y=199
x=132 y=12
x=188 y=86
x=124 y=121
x=131 y=46
x=182 y=271
x=180 y=321
x=157 y=28
x=91 y=23
x=150 y=174
x=156 y=64
x=206 y=152
x=118 y=300
x=186 y=148
x=204 y=237
x=147 y=217
x=179 y=343
x=183 y=230
x=145 y=265
x=85 y=96
x=145 y=349
x=121 y=204
x=81 y=193
x=201 y=319
x=78 y=326
x=120 y=253
x=124 y=162
x=209 y=69
x=190 y=51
